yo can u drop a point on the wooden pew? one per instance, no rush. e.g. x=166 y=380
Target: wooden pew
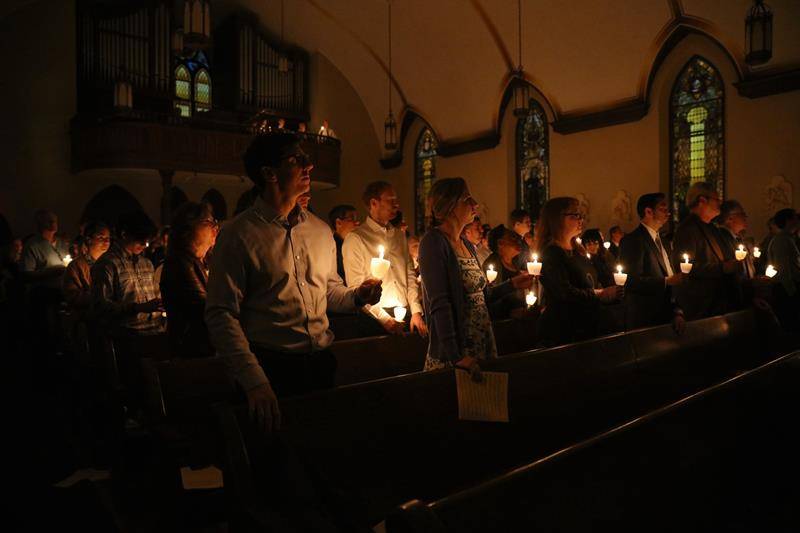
x=371 y=446
x=372 y=358
x=723 y=459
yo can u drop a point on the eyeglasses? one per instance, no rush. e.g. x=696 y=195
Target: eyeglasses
x=576 y=216
x=212 y=222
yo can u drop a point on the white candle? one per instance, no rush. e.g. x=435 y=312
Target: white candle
x=606 y=245
x=756 y=252
x=67 y=260
x=530 y=298
x=491 y=274
x=619 y=276
x=534 y=267
x=686 y=266
x=771 y=271
x=741 y=253
x=379 y=266
x=578 y=240
x=399 y=313
x=164 y=314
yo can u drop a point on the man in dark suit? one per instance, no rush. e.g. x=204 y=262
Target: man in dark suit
x=732 y=222
x=707 y=291
x=648 y=292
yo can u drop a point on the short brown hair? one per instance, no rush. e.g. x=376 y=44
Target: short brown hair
x=374 y=191
x=444 y=196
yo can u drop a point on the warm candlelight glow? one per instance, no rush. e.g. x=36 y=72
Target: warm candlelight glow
x=770 y=271
x=741 y=253
x=685 y=258
x=534 y=267
x=378 y=265
x=756 y=252
x=578 y=240
x=399 y=313
x=491 y=274
x=606 y=245
x=530 y=298
x=686 y=266
x=619 y=276
x=67 y=260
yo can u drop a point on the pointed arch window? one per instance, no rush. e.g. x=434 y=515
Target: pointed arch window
x=183 y=91
x=533 y=159
x=424 y=174
x=202 y=91
x=697 y=133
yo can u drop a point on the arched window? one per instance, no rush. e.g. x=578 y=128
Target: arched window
x=533 y=160
x=202 y=91
x=424 y=174
x=183 y=91
x=697 y=134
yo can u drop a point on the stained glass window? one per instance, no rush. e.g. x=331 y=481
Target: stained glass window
x=697 y=113
x=183 y=91
x=424 y=174
x=202 y=90
x=533 y=160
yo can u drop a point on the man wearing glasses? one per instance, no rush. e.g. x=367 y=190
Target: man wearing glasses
x=707 y=288
x=273 y=277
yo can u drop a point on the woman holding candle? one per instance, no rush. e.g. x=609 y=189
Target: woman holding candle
x=598 y=256
x=454 y=286
x=573 y=300
x=506 y=246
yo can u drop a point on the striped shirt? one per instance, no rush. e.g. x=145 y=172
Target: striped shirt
x=121 y=280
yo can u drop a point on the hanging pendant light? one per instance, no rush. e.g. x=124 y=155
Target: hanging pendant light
x=758 y=34
x=390 y=124
x=196 y=23
x=520 y=87
x=283 y=61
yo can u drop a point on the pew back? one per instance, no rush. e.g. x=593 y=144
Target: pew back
x=384 y=442
x=721 y=458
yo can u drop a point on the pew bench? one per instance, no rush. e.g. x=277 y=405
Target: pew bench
x=722 y=459
x=361 y=450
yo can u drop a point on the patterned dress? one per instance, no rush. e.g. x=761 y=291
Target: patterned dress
x=479 y=338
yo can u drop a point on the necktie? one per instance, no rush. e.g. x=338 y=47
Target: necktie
x=663 y=255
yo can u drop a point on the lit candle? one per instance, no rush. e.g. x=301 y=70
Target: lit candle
x=534 y=267
x=164 y=314
x=686 y=266
x=606 y=245
x=619 y=276
x=771 y=271
x=399 y=313
x=530 y=298
x=578 y=240
x=756 y=252
x=491 y=274
x=67 y=260
x=741 y=253
x=379 y=266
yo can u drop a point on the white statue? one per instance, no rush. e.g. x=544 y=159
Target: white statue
x=621 y=206
x=778 y=194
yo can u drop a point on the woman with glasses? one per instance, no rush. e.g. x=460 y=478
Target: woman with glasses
x=185 y=277
x=573 y=299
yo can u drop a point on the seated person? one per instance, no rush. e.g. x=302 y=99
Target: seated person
x=574 y=301
x=592 y=241
x=506 y=246
x=185 y=278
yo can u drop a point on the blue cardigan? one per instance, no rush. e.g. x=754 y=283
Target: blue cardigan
x=443 y=295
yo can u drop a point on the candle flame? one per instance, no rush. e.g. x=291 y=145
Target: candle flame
x=491 y=268
x=606 y=245
x=381 y=251
x=685 y=258
x=619 y=269
x=535 y=257
x=741 y=247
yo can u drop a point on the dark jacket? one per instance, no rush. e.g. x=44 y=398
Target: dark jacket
x=443 y=295
x=648 y=300
x=572 y=311
x=703 y=294
x=500 y=308
x=183 y=290
x=339 y=260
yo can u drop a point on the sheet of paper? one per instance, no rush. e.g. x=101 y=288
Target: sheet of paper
x=486 y=401
x=203 y=478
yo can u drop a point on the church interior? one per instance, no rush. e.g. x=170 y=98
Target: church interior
x=401 y=265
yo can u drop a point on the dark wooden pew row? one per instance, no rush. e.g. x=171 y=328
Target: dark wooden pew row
x=363 y=449
x=723 y=459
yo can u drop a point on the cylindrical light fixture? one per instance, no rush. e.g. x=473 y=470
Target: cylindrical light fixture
x=123 y=94
x=196 y=23
x=390 y=132
x=758 y=34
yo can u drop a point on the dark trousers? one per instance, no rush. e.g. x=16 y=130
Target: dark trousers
x=293 y=374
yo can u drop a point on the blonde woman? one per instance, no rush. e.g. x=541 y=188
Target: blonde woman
x=455 y=289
